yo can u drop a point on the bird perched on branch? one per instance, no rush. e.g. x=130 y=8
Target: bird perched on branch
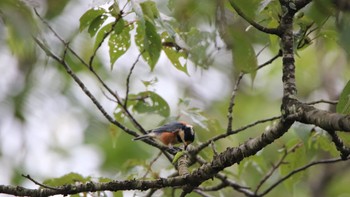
x=172 y=133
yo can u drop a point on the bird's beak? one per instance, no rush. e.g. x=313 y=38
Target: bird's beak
x=186 y=144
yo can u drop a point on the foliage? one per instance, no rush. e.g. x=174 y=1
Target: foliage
x=152 y=62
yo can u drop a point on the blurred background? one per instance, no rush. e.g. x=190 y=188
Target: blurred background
x=49 y=127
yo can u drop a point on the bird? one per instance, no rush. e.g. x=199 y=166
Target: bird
x=172 y=133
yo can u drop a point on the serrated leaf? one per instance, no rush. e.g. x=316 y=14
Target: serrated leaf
x=96 y=24
x=69 y=178
x=101 y=34
x=343 y=105
x=119 y=42
x=244 y=57
x=90 y=16
x=150 y=102
x=148 y=42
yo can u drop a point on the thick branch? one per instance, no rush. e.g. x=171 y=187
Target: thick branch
x=324 y=119
x=287 y=43
x=227 y=158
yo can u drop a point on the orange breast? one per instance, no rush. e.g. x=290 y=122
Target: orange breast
x=168 y=138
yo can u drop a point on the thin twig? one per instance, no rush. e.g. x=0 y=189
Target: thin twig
x=344 y=151
x=40 y=184
x=276 y=166
x=218 y=137
x=261 y=50
x=113 y=93
x=214 y=148
x=149 y=168
x=322 y=101
x=128 y=80
x=105 y=35
x=94 y=100
x=235 y=89
x=150 y=193
x=82 y=86
x=326 y=161
x=279 y=54
x=275 y=31
x=232 y=103
x=217 y=187
x=242 y=189
x=202 y=193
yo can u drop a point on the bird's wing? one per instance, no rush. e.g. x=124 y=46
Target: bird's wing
x=170 y=127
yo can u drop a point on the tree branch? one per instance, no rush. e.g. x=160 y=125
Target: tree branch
x=83 y=87
x=128 y=80
x=327 y=161
x=344 y=151
x=37 y=183
x=235 y=89
x=225 y=159
x=92 y=98
x=232 y=103
x=221 y=136
x=89 y=66
x=324 y=119
x=275 y=167
x=287 y=44
x=275 y=31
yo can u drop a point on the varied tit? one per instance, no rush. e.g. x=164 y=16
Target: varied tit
x=172 y=133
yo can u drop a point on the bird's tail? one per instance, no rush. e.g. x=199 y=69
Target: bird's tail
x=142 y=137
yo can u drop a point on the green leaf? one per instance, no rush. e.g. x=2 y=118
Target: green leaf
x=153 y=44
x=293 y=160
x=177 y=156
x=149 y=10
x=150 y=102
x=54 y=8
x=151 y=82
x=119 y=27
x=104 y=180
x=96 y=24
x=199 y=42
x=119 y=41
x=69 y=178
x=244 y=57
x=175 y=55
x=343 y=105
x=101 y=34
x=114 y=9
x=148 y=42
x=249 y=7
x=263 y=5
x=89 y=16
